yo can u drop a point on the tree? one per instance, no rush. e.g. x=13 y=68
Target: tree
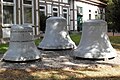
x=116 y=15
x=109 y=16
x=113 y=15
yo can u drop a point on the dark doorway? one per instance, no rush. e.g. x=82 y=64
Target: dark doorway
x=79 y=22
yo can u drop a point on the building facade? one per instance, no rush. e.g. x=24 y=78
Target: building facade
x=18 y=12
x=82 y=10
x=27 y=11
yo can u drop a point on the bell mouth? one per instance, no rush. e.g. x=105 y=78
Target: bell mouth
x=93 y=59
x=44 y=49
x=26 y=61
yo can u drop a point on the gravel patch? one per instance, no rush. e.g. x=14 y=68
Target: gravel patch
x=60 y=59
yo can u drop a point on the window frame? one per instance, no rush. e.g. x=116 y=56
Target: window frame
x=67 y=1
x=14 y=12
x=90 y=16
x=66 y=13
x=44 y=10
x=55 y=11
x=28 y=6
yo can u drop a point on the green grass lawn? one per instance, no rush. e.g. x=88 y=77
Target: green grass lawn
x=76 y=37
x=3 y=48
x=115 y=40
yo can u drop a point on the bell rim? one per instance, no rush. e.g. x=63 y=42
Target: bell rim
x=50 y=49
x=25 y=61
x=93 y=59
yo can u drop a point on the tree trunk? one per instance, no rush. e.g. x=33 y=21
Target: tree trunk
x=0 y=32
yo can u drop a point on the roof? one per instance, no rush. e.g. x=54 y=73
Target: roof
x=97 y=1
x=94 y=2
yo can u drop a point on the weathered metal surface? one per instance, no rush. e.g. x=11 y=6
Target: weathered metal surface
x=21 y=46
x=56 y=35
x=94 y=41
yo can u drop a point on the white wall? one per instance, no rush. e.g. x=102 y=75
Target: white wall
x=6 y=32
x=86 y=7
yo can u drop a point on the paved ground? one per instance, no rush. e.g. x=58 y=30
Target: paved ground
x=60 y=59
x=115 y=34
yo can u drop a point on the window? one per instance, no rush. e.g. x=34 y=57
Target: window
x=55 y=14
x=101 y=13
x=8 y=12
x=65 y=13
x=42 y=12
x=27 y=15
x=27 y=10
x=27 y=2
x=96 y=16
x=65 y=1
x=8 y=0
x=89 y=16
x=79 y=9
x=89 y=10
x=55 y=11
x=101 y=10
x=42 y=9
x=55 y=0
x=64 y=10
